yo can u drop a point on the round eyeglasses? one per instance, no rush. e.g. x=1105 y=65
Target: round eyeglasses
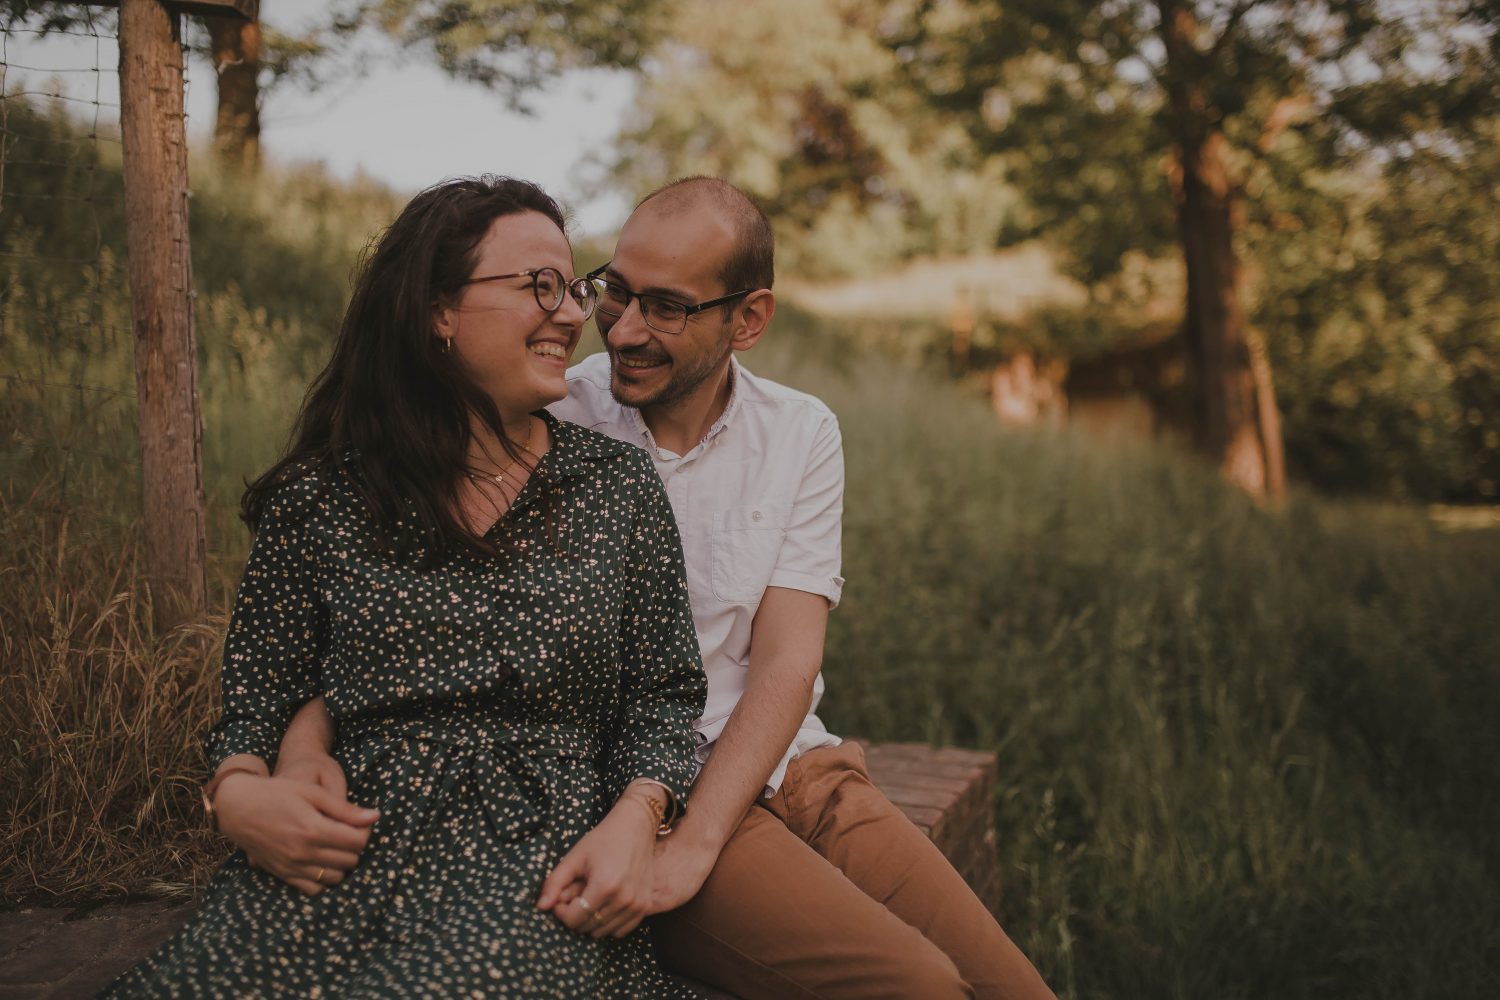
x=549 y=287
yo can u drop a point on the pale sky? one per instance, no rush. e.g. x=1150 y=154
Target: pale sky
x=406 y=123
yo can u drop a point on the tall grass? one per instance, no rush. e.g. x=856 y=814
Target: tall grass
x=101 y=714
x=1243 y=754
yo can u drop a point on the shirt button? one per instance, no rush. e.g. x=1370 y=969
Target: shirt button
x=755 y=516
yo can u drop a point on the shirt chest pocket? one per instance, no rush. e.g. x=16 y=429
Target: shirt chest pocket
x=746 y=543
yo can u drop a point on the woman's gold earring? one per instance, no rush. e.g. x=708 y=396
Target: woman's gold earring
x=447 y=345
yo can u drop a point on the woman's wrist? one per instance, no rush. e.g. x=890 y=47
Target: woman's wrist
x=662 y=801
x=643 y=810
x=641 y=806
x=635 y=814
x=236 y=765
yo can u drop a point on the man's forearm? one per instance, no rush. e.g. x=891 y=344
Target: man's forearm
x=786 y=652
x=753 y=742
x=311 y=732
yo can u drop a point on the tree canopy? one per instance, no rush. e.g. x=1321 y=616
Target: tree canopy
x=803 y=105
x=1353 y=135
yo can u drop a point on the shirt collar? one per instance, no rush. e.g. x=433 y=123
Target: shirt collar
x=736 y=378
x=737 y=375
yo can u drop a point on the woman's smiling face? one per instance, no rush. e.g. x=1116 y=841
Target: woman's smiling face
x=515 y=350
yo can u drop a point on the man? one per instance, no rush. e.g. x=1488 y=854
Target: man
x=790 y=875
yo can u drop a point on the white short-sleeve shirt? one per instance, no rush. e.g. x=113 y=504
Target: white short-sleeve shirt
x=759 y=502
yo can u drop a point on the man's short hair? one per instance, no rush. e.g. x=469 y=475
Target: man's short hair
x=752 y=263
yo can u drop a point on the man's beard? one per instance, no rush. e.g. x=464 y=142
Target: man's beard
x=683 y=381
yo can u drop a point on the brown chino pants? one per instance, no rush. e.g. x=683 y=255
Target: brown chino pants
x=827 y=891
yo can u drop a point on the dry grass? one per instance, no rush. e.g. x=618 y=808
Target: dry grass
x=98 y=782
x=102 y=715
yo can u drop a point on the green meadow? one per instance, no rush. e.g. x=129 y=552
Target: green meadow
x=1244 y=753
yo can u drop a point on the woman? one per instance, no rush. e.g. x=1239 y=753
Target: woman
x=493 y=604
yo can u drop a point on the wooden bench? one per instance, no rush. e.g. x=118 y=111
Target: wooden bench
x=67 y=953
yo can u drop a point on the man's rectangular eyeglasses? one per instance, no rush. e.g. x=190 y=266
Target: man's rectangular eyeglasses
x=548 y=287
x=661 y=314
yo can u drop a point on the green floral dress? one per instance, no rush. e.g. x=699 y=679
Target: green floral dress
x=492 y=709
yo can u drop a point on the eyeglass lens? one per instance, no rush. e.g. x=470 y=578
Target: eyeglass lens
x=549 y=288
x=661 y=315
x=547 y=283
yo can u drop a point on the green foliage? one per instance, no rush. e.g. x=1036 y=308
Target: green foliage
x=799 y=104
x=1243 y=754
x=272 y=261
x=1376 y=291
x=511 y=47
x=1361 y=142
x=1061 y=93
x=1078 y=92
x=53 y=15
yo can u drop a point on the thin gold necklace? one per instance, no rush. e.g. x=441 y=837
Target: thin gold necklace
x=499 y=477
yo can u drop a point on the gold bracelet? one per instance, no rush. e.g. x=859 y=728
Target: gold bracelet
x=666 y=814
x=652 y=806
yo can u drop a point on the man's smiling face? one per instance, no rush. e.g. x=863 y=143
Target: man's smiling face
x=675 y=254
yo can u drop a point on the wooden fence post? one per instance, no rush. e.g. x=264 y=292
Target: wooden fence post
x=153 y=129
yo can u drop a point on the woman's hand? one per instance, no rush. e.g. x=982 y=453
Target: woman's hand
x=303 y=834
x=602 y=887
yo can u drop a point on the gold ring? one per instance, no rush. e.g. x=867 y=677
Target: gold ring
x=318 y=878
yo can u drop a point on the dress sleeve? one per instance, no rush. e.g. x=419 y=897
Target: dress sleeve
x=272 y=651
x=662 y=674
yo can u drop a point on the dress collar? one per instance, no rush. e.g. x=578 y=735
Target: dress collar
x=575 y=450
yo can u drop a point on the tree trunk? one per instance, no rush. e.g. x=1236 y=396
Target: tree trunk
x=152 y=129
x=1214 y=321
x=1269 y=413
x=1236 y=424
x=236 y=54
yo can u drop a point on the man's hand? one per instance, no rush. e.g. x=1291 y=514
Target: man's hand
x=301 y=833
x=314 y=768
x=680 y=870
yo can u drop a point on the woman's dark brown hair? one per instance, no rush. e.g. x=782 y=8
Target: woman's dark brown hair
x=391 y=410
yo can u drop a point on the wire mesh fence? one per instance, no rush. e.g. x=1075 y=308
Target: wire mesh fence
x=68 y=403
x=65 y=386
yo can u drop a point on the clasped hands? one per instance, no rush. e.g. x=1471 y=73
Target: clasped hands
x=300 y=826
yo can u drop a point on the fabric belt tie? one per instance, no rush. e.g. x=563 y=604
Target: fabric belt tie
x=496 y=761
